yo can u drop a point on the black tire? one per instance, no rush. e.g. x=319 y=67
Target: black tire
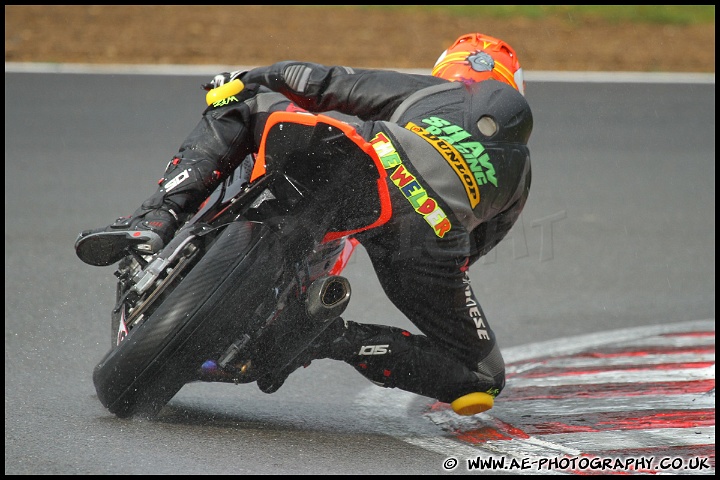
x=199 y=319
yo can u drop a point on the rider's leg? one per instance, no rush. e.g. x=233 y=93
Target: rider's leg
x=460 y=361
x=208 y=155
x=150 y=227
x=425 y=276
x=457 y=359
x=394 y=358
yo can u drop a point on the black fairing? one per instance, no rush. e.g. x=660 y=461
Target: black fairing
x=337 y=174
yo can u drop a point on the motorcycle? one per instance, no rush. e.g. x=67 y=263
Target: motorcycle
x=253 y=277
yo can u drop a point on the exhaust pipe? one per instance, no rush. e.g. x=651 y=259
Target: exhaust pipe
x=327 y=298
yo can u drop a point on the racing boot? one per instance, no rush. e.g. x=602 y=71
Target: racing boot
x=328 y=344
x=186 y=184
x=147 y=231
x=394 y=358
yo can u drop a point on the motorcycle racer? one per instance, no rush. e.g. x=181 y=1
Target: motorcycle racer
x=454 y=145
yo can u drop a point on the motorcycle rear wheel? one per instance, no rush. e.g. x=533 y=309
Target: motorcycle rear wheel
x=198 y=318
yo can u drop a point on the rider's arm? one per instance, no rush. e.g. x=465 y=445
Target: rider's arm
x=367 y=94
x=227 y=132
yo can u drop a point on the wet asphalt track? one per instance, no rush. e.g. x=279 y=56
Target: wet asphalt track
x=603 y=299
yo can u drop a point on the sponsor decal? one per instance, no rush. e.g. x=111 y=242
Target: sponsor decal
x=454 y=159
x=374 y=350
x=184 y=175
x=473 y=152
x=410 y=187
x=225 y=101
x=474 y=312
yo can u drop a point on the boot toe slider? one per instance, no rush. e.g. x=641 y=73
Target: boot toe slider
x=472 y=403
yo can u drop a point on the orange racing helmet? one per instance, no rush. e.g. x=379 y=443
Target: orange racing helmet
x=475 y=57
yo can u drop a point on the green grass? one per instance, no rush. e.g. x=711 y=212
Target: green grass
x=658 y=14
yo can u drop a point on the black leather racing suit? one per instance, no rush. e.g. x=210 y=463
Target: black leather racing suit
x=459 y=175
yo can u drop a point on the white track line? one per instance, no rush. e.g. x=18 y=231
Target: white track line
x=210 y=70
x=633 y=439
x=576 y=406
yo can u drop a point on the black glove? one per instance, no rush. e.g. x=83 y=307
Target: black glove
x=222 y=78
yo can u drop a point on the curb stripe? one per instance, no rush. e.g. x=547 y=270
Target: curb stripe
x=641 y=376
x=606 y=390
x=598 y=422
x=600 y=358
x=640 y=367
x=598 y=400
x=648 y=350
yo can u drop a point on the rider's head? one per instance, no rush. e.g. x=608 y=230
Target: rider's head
x=475 y=57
